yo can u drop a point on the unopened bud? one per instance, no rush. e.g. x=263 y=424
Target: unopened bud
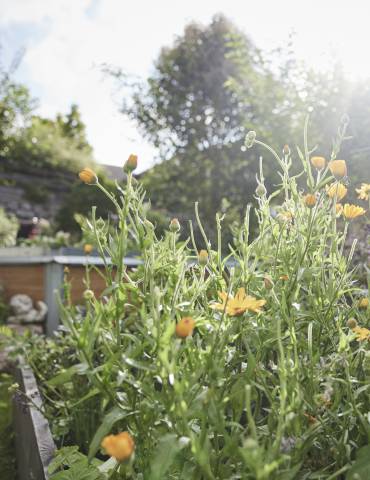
x=203 y=257
x=131 y=163
x=261 y=190
x=250 y=138
x=351 y=323
x=268 y=282
x=286 y=150
x=88 y=248
x=175 y=225
x=88 y=294
x=310 y=200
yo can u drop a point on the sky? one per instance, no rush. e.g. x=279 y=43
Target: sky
x=66 y=41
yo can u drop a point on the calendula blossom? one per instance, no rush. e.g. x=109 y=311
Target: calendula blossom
x=88 y=176
x=338 y=168
x=337 y=190
x=235 y=306
x=309 y=200
x=120 y=446
x=363 y=191
x=185 y=327
x=361 y=333
x=352 y=211
x=318 y=162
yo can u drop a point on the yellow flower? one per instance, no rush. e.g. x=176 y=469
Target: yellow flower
x=119 y=446
x=88 y=248
x=131 y=163
x=352 y=211
x=284 y=277
x=285 y=216
x=309 y=200
x=363 y=303
x=363 y=191
x=336 y=190
x=338 y=168
x=185 y=327
x=361 y=333
x=338 y=209
x=239 y=304
x=318 y=162
x=88 y=176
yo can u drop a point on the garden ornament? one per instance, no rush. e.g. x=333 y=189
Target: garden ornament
x=24 y=311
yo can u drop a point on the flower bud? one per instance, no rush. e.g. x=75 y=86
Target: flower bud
x=318 y=162
x=175 y=225
x=310 y=200
x=203 y=257
x=286 y=150
x=338 y=209
x=88 y=294
x=120 y=446
x=351 y=323
x=88 y=248
x=185 y=327
x=250 y=138
x=261 y=190
x=363 y=303
x=131 y=163
x=88 y=176
x=268 y=282
x=338 y=168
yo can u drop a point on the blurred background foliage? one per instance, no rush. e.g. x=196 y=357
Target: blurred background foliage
x=205 y=92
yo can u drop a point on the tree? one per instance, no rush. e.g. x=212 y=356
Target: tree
x=206 y=92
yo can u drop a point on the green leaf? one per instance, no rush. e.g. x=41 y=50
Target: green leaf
x=361 y=468
x=66 y=376
x=109 y=420
x=167 y=449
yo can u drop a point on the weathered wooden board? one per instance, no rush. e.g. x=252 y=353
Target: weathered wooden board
x=33 y=441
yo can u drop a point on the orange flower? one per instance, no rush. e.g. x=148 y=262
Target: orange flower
x=309 y=200
x=88 y=176
x=363 y=191
x=318 y=162
x=119 y=446
x=352 y=211
x=361 y=333
x=131 y=163
x=338 y=168
x=185 y=327
x=337 y=190
x=239 y=304
x=88 y=248
x=363 y=303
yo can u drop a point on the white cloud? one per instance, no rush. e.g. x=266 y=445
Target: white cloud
x=78 y=35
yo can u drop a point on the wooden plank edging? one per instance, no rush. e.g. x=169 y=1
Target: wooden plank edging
x=34 y=443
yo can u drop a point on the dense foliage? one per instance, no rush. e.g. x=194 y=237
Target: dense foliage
x=251 y=366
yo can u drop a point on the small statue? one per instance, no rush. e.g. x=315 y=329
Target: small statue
x=23 y=311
